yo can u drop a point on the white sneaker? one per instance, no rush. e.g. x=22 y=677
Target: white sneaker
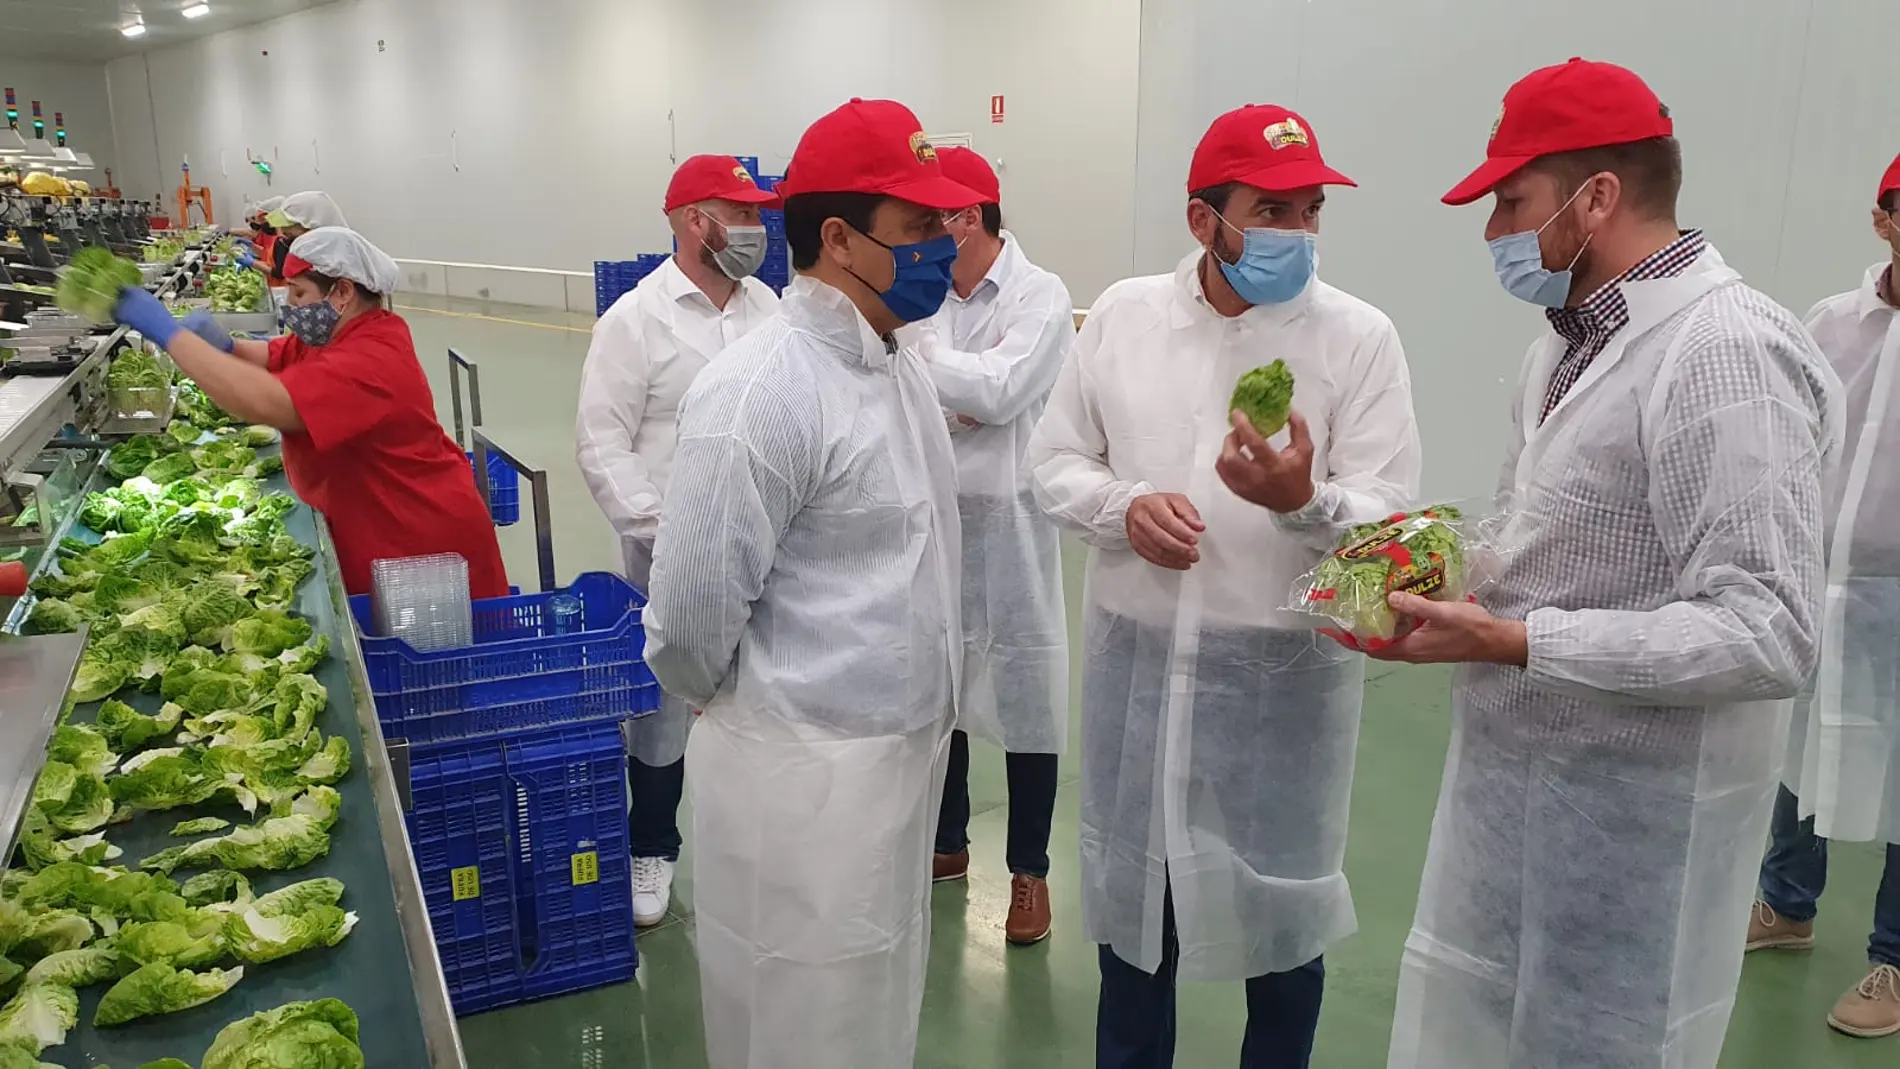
x=652 y=890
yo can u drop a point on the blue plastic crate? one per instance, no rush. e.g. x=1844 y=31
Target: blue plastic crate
x=504 y=490
x=521 y=846
x=751 y=165
x=520 y=675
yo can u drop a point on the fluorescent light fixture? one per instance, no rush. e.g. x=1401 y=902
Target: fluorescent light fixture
x=135 y=29
x=196 y=11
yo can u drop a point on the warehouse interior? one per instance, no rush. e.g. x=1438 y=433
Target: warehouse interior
x=498 y=150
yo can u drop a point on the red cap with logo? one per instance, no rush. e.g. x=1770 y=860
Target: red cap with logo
x=1889 y=181
x=1264 y=146
x=873 y=146
x=1572 y=106
x=967 y=167
x=714 y=178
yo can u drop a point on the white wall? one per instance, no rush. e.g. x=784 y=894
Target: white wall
x=1786 y=124
x=538 y=134
x=76 y=89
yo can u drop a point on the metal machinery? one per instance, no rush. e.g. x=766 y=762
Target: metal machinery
x=57 y=421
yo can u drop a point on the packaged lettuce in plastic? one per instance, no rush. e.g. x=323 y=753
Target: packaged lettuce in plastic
x=1433 y=552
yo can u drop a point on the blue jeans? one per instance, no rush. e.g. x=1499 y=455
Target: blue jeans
x=653 y=825
x=1032 y=807
x=1794 y=874
x=1134 y=1022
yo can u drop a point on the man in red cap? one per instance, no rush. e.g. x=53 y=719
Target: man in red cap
x=994 y=352
x=805 y=596
x=1844 y=756
x=1622 y=712
x=1218 y=729
x=646 y=351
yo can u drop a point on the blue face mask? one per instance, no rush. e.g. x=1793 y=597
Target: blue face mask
x=1519 y=261
x=921 y=280
x=1274 y=265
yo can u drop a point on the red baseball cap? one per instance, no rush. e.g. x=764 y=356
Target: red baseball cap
x=1576 y=105
x=714 y=178
x=1264 y=146
x=967 y=167
x=1889 y=181
x=873 y=146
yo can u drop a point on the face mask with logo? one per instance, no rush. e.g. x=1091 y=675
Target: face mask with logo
x=744 y=251
x=1519 y=261
x=921 y=280
x=1274 y=265
x=313 y=324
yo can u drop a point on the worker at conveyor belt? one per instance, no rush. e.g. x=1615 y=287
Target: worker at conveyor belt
x=362 y=443
x=263 y=240
x=297 y=215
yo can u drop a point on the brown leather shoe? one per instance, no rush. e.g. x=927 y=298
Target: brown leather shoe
x=1872 y=1009
x=1028 y=911
x=1768 y=930
x=944 y=867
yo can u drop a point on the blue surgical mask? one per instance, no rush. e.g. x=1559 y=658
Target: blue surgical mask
x=1274 y=266
x=921 y=280
x=313 y=324
x=1519 y=261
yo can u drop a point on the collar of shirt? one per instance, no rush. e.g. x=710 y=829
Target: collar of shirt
x=1191 y=301
x=1876 y=291
x=683 y=291
x=824 y=312
x=1606 y=311
x=998 y=277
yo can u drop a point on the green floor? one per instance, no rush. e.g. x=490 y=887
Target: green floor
x=990 y=1005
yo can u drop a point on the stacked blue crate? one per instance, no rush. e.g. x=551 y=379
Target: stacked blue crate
x=776 y=272
x=613 y=278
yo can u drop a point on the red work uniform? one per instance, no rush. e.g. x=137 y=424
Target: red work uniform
x=373 y=458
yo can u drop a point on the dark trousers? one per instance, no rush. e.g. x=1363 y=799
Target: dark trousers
x=1032 y=806
x=1134 y=1023
x=653 y=826
x=1794 y=875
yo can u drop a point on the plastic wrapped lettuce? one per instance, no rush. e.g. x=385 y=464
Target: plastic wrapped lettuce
x=90 y=286
x=298 y=1035
x=1427 y=552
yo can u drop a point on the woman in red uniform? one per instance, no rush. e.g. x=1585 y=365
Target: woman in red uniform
x=362 y=443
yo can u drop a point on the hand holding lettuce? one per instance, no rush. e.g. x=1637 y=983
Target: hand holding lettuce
x=1431 y=553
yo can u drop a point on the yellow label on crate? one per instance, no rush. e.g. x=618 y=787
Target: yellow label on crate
x=465 y=883
x=585 y=867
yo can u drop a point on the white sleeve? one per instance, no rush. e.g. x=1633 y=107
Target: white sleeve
x=741 y=473
x=1373 y=456
x=1735 y=472
x=1067 y=456
x=613 y=400
x=998 y=384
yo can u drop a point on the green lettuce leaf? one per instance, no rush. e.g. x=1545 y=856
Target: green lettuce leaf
x=38 y=1017
x=299 y=1035
x=157 y=988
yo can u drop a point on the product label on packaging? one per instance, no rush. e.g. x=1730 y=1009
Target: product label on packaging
x=1424 y=585
x=585 y=868
x=465 y=883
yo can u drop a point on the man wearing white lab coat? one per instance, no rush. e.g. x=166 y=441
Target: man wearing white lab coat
x=1844 y=756
x=994 y=352
x=646 y=351
x=1622 y=707
x=805 y=597
x=1218 y=729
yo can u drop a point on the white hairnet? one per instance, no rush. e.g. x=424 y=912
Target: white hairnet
x=268 y=205
x=340 y=252
x=309 y=210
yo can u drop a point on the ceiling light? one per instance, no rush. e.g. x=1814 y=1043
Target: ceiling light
x=196 y=11
x=136 y=29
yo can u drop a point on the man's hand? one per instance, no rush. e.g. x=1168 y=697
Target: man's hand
x=1166 y=530
x=1277 y=479
x=1455 y=632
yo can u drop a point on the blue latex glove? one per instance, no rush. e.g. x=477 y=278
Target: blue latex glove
x=246 y=260
x=201 y=324
x=146 y=314
x=241 y=243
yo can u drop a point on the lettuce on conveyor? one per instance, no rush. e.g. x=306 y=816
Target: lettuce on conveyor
x=90 y=286
x=158 y=988
x=298 y=1035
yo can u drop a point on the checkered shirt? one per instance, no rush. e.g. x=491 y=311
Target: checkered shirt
x=1588 y=328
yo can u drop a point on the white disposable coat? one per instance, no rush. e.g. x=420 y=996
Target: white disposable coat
x=805 y=597
x=1596 y=842
x=1845 y=765
x=994 y=357
x=1217 y=728
x=646 y=351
